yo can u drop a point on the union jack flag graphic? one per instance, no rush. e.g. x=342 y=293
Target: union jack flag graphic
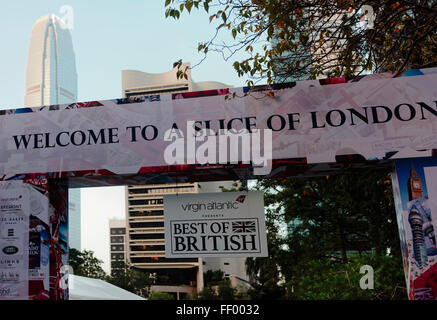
x=243 y=226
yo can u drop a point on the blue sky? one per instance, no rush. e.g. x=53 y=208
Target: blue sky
x=109 y=36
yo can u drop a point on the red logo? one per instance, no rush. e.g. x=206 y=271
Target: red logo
x=241 y=198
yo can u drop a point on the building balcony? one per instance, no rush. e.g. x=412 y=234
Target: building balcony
x=145 y=207
x=146 y=230
x=152 y=242
x=146 y=254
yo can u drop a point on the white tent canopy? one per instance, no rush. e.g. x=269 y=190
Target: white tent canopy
x=82 y=288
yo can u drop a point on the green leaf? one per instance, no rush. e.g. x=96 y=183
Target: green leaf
x=189 y=5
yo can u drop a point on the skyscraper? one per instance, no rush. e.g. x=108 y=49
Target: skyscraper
x=51 y=76
x=51 y=79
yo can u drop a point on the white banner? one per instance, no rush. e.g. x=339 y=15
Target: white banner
x=310 y=120
x=226 y=224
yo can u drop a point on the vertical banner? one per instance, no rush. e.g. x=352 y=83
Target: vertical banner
x=14 y=241
x=24 y=239
x=222 y=224
x=58 y=191
x=39 y=239
x=415 y=195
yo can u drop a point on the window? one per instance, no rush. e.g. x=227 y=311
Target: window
x=158 y=224
x=148 y=248
x=162 y=260
x=142 y=213
x=117 y=256
x=118 y=230
x=119 y=247
x=138 y=191
x=117 y=239
x=144 y=202
x=147 y=236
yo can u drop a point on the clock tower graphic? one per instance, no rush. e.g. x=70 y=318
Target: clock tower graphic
x=419 y=217
x=415 y=186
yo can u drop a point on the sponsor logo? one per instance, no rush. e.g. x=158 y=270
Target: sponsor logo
x=241 y=198
x=214 y=205
x=10 y=250
x=209 y=206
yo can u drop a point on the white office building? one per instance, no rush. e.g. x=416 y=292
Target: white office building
x=136 y=83
x=144 y=212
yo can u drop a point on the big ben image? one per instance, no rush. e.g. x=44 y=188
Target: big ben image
x=424 y=242
x=415 y=188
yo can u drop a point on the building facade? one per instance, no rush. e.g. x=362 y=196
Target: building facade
x=117 y=242
x=51 y=76
x=145 y=236
x=136 y=83
x=145 y=210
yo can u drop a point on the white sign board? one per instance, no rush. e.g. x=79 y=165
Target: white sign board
x=224 y=224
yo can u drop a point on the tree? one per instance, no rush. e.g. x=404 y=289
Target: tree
x=75 y=259
x=310 y=39
x=218 y=288
x=334 y=224
x=157 y=295
x=213 y=277
x=265 y=273
x=338 y=213
x=125 y=276
x=85 y=264
x=328 y=279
